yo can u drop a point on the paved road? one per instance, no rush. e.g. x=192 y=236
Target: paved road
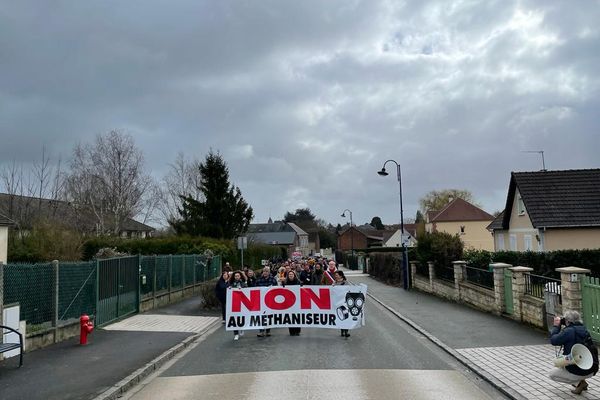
x=384 y=360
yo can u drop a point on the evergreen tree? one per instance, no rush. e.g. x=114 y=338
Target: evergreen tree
x=377 y=224
x=223 y=213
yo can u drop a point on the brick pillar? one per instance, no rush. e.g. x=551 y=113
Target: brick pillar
x=430 y=264
x=498 y=269
x=518 y=289
x=413 y=270
x=571 y=288
x=460 y=274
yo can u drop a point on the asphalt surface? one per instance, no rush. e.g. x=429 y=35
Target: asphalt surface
x=221 y=368
x=457 y=325
x=68 y=371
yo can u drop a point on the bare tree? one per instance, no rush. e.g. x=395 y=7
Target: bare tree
x=182 y=180
x=108 y=177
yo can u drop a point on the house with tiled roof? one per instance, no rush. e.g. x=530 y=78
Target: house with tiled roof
x=392 y=237
x=359 y=237
x=26 y=210
x=281 y=234
x=459 y=217
x=5 y=222
x=550 y=210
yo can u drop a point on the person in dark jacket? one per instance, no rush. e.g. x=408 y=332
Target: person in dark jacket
x=250 y=278
x=292 y=280
x=237 y=281
x=306 y=275
x=221 y=291
x=340 y=279
x=265 y=279
x=574 y=332
x=317 y=276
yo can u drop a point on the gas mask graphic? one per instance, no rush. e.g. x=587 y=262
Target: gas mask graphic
x=353 y=307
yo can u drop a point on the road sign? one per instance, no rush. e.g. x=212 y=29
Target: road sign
x=242 y=243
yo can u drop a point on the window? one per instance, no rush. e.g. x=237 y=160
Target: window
x=520 y=206
x=513 y=242
x=462 y=229
x=527 y=242
x=500 y=241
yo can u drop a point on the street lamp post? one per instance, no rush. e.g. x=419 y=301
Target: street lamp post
x=405 y=271
x=351 y=231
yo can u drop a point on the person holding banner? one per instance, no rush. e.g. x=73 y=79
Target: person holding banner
x=292 y=280
x=237 y=281
x=265 y=279
x=221 y=290
x=328 y=275
x=340 y=279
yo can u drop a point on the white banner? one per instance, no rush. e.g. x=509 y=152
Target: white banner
x=334 y=307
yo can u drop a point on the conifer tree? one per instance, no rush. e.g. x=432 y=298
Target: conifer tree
x=223 y=212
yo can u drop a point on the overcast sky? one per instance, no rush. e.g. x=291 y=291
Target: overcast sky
x=306 y=99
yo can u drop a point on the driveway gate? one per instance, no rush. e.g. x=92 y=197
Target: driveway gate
x=118 y=288
x=508 y=293
x=590 y=293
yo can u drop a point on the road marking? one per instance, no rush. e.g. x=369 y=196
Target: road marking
x=317 y=384
x=163 y=323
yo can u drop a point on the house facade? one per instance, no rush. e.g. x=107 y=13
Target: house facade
x=280 y=234
x=394 y=238
x=550 y=210
x=464 y=219
x=359 y=237
x=5 y=222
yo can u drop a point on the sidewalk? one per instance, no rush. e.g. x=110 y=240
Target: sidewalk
x=67 y=370
x=512 y=356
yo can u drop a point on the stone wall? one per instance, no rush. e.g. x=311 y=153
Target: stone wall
x=533 y=311
x=527 y=309
x=477 y=296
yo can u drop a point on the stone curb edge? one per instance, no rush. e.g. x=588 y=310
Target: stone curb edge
x=512 y=394
x=117 y=390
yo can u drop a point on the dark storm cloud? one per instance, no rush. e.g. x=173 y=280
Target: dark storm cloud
x=307 y=99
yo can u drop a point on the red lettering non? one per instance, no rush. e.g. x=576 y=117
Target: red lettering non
x=289 y=298
x=322 y=300
x=238 y=297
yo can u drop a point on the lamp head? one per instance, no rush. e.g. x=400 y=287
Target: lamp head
x=343 y=214
x=383 y=172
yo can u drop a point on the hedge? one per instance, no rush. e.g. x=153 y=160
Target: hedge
x=185 y=245
x=543 y=263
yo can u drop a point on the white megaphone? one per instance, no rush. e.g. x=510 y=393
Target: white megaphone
x=579 y=356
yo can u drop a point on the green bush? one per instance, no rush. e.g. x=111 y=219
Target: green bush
x=46 y=241
x=542 y=263
x=386 y=267
x=439 y=247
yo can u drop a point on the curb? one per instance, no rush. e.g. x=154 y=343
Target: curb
x=117 y=390
x=502 y=387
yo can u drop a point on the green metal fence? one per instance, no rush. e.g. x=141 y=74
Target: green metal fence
x=166 y=274
x=52 y=294
x=590 y=293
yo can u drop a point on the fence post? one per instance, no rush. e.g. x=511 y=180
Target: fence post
x=460 y=273
x=194 y=274
x=170 y=275
x=55 y=268
x=431 y=266
x=499 y=296
x=518 y=289
x=570 y=278
x=154 y=282
x=413 y=270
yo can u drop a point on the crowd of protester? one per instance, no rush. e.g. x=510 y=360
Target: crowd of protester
x=305 y=271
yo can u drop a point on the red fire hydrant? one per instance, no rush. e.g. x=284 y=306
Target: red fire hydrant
x=87 y=327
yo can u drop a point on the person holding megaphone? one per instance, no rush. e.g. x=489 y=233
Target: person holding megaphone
x=577 y=363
